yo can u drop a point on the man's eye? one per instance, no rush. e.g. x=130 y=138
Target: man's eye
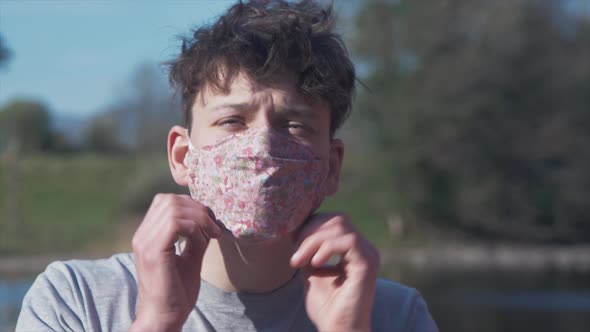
x=292 y=124
x=231 y=123
x=298 y=127
x=295 y=126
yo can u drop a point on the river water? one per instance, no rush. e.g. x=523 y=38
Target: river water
x=12 y=292
x=498 y=300
x=459 y=300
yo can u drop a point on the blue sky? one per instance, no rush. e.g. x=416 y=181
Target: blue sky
x=76 y=55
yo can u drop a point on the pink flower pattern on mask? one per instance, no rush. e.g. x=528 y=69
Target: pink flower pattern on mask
x=259 y=183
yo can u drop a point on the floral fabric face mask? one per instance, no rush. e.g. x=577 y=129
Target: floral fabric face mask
x=259 y=183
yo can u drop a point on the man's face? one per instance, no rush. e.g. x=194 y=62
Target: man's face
x=251 y=105
x=248 y=105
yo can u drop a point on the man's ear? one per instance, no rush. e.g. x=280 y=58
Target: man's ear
x=177 y=150
x=336 y=155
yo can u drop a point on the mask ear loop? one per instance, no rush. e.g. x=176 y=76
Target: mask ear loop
x=180 y=243
x=191 y=147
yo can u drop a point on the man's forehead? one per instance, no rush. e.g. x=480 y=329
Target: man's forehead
x=288 y=109
x=244 y=93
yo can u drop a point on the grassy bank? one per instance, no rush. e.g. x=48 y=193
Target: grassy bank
x=51 y=203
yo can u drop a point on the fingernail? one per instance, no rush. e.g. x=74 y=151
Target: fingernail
x=295 y=256
x=211 y=214
x=314 y=259
x=219 y=226
x=220 y=230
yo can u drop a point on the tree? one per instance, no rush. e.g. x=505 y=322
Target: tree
x=4 y=52
x=483 y=108
x=102 y=135
x=140 y=119
x=154 y=108
x=24 y=125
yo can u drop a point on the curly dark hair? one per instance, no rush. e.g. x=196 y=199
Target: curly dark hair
x=262 y=39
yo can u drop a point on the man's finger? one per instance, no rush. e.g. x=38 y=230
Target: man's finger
x=196 y=242
x=338 y=247
x=189 y=225
x=310 y=245
x=322 y=221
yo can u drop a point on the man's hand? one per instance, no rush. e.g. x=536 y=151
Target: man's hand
x=168 y=284
x=337 y=298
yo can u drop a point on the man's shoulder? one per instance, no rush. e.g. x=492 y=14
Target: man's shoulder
x=398 y=307
x=108 y=278
x=81 y=295
x=93 y=271
x=117 y=262
x=391 y=294
x=389 y=290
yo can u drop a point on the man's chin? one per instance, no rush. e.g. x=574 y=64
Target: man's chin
x=258 y=241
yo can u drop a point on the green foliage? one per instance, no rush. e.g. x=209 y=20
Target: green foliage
x=362 y=197
x=483 y=110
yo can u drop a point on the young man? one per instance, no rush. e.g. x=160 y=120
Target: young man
x=264 y=89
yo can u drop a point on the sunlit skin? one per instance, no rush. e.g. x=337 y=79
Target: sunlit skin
x=338 y=298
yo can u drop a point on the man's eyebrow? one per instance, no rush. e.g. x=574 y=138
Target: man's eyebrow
x=295 y=110
x=236 y=106
x=298 y=111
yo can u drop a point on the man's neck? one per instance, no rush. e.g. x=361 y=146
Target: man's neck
x=232 y=265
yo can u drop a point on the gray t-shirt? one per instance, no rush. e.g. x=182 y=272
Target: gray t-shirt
x=100 y=295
